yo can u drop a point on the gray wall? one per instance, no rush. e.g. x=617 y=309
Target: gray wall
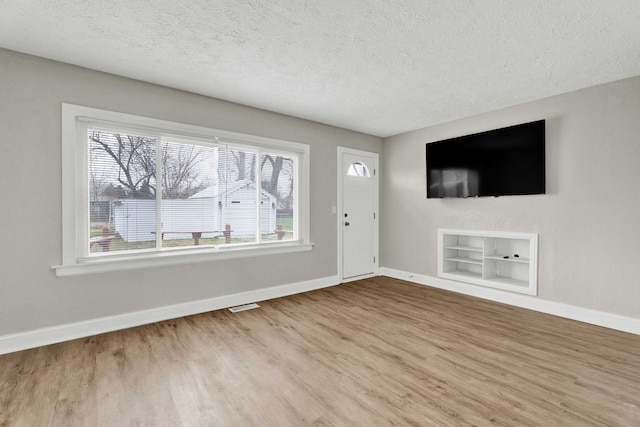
x=31 y=91
x=588 y=222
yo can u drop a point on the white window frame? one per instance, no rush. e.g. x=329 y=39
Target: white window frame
x=75 y=184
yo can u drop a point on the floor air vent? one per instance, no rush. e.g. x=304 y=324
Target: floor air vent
x=243 y=307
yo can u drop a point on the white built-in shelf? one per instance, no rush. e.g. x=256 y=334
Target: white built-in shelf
x=467 y=260
x=510 y=259
x=469 y=274
x=478 y=257
x=510 y=281
x=466 y=248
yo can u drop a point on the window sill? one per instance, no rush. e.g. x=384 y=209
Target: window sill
x=161 y=259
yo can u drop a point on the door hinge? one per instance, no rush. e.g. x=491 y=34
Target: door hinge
x=374 y=260
x=374 y=215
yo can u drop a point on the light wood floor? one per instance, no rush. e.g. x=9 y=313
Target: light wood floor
x=371 y=353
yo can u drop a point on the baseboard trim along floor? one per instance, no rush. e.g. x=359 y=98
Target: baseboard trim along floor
x=70 y=331
x=55 y=334
x=594 y=317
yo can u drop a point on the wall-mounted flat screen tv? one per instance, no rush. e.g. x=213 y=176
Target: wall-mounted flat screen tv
x=501 y=162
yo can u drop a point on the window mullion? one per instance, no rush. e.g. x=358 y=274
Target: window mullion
x=258 y=179
x=159 y=183
x=296 y=198
x=82 y=188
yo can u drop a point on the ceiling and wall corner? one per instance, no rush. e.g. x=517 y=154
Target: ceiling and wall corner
x=377 y=67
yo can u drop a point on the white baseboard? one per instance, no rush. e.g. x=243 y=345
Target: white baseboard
x=70 y=331
x=586 y=315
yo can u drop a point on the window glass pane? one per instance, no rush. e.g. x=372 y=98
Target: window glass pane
x=190 y=193
x=358 y=169
x=122 y=191
x=278 y=197
x=237 y=197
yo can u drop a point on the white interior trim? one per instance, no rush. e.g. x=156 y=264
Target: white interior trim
x=185 y=256
x=55 y=334
x=70 y=331
x=586 y=315
x=364 y=276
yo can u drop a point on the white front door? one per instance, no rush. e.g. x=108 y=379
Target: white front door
x=358 y=220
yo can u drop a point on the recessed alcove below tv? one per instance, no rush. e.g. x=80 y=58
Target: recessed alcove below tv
x=502 y=260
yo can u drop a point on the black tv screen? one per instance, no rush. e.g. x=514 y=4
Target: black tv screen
x=502 y=162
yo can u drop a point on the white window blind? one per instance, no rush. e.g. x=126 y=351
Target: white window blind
x=122 y=191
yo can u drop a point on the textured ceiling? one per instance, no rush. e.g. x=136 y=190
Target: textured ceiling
x=375 y=66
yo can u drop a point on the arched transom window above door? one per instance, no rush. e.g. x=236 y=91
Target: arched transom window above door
x=358 y=169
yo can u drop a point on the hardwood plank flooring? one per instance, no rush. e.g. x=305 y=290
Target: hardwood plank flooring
x=375 y=352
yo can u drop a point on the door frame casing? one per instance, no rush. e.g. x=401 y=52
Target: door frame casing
x=376 y=207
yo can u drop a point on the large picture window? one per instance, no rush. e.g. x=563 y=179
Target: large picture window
x=141 y=188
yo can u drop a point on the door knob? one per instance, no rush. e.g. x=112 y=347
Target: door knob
x=346 y=224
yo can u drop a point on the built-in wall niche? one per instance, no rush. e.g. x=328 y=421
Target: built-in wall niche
x=502 y=260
